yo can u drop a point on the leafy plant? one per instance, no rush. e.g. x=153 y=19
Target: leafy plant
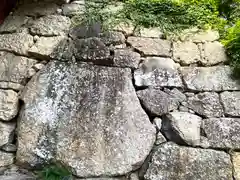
x=55 y=171
x=173 y=15
x=232 y=44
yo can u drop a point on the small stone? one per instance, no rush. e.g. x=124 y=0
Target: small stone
x=59 y=11
x=13 y=70
x=223 y=132
x=112 y=37
x=73 y=9
x=151 y=47
x=36 y=9
x=35 y=38
x=182 y=127
x=13 y=23
x=158 y=72
x=205 y=36
x=236 y=165
x=39 y=66
x=173 y=162
x=10 y=85
x=31 y=72
x=9 y=148
x=158 y=123
x=206 y=104
x=186 y=53
x=150 y=33
x=7 y=133
x=120 y=46
x=217 y=78
x=6 y=159
x=17 y=176
x=126 y=58
x=52 y=25
x=160 y=139
x=134 y=176
x=125 y=27
x=231 y=103
x=64 y=50
x=178 y=95
x=92 y=50
x=8 y=105
x=213 y=53
x=157 y=102
x=45 y=46
x=83 y=31
x=189 y=94
x=18 y=42
x=183 y=109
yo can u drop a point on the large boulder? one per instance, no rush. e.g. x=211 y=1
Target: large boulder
x=86 y=116
x=172 y=162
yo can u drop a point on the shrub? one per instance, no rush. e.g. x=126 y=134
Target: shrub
x=173 y=15
x=55 y=171
x=232 y=44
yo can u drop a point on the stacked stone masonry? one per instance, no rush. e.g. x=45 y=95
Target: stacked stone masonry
x=114 y=105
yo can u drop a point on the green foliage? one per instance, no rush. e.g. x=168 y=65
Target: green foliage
x=173 y=15
x=55 y=172
x=232 y=44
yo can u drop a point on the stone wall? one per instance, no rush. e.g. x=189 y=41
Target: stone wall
x=114 y=105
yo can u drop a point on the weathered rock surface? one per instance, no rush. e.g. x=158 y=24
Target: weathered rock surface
x=112 y=38
x=18 y=42
x=87 y=116
x=36 y=9
x=64 y=51
x=236 y=165
x=92 y=49
x=150 y=47
x=8 y=104
x=216 y=78
x=206 y=104
x=10 y=85
x=7 y=133
x=213 y=53
x=171 y=162
x=186 y=52
x=182 y=127
x=157 y=102
x=223 y=132
x=52 y=25
x=205 y=36
x=73 y=9
x=158 y=72
x=160 y=139
x=14 y=68
x=16 y=176
x=126 y=58
x=149 y=33
x=13 y=23
x=45 y=46
x=6 y=159
x=231 y=103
